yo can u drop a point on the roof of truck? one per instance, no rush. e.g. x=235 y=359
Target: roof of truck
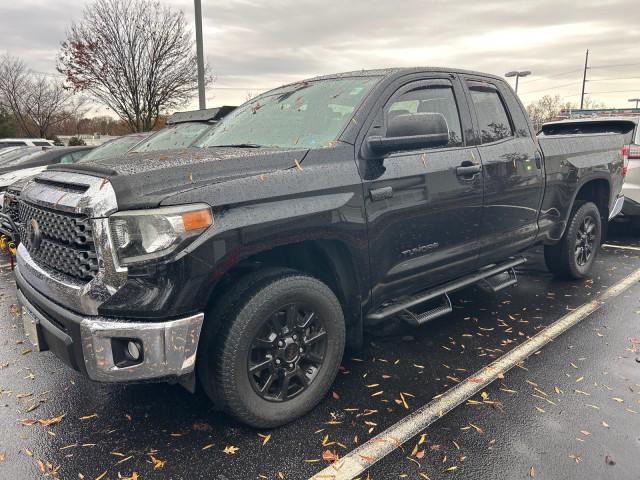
x=395 y=72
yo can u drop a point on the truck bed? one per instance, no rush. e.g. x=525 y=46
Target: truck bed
x=568 y=161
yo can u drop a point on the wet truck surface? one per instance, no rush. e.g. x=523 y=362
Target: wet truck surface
x=246 y=264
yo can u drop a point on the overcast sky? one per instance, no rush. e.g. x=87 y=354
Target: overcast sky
x=256 y=44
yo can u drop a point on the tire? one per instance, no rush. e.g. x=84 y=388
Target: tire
x=255 y=331
x=564 y=259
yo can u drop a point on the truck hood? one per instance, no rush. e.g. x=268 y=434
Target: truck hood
x=143 y=180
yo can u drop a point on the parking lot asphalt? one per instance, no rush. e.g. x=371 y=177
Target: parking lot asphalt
x=569 y=411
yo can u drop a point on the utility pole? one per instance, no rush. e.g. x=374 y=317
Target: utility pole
x=584 y=78
x=200 y=53
x=637 y=100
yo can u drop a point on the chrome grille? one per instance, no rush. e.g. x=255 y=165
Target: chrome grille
x=66 y=240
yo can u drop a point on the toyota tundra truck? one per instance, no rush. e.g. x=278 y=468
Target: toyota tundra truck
x=246 y=264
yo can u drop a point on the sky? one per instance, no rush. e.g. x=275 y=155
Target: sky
x=253 y=45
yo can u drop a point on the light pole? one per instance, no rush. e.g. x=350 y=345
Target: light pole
x=200 y=54
x=637 y=100
x=517 y=74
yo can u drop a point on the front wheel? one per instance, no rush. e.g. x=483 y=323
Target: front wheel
x=573 y=256
x=278 y=349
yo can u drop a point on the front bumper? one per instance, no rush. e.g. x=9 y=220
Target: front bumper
x=92 y=345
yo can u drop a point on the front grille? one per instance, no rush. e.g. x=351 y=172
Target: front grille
x=66 y=240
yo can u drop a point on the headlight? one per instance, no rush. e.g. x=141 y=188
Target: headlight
x=143 y=235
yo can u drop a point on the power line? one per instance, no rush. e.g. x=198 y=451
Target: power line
x=616 y=65
x=613 y=79
x=554 y=87
x=553 y=76
x=614 y=91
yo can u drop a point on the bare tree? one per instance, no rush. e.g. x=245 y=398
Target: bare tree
x=136 y=57
x=37 y=103
x=549 y=108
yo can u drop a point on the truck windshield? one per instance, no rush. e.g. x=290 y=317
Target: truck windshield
x=112 y=148
x=172 y=137
x=306 y=115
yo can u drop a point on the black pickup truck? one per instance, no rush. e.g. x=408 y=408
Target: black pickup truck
x=307 y=215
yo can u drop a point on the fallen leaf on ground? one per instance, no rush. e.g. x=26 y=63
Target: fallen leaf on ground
x=230 y=450
x=157 y=463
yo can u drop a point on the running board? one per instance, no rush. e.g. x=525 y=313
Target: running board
x=416 y=319
x=500 y=281
x=448 y=288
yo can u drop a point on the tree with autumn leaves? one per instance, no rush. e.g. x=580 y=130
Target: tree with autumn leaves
x=136 y=57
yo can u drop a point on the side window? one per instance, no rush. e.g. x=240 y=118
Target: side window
x=42 y=144
x=426 y=99
x=492 y=117
x=68 y=158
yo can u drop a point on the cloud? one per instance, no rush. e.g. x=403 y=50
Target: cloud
x=251 y=44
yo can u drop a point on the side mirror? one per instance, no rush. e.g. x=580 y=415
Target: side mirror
x=411 y=131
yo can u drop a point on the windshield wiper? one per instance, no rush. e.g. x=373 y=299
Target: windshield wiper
x=238 y=145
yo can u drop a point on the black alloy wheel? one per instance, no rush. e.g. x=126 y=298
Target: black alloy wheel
x=585 y=240
x=573 y=256
x=271 y=346
x=287 y=353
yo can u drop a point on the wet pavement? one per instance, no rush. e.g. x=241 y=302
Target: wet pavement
x=571 y=411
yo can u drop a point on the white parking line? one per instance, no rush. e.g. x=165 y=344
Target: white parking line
x=621 y=247
x=362 y=458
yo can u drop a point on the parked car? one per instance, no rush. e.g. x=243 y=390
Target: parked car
x=307 y=214
x=183 y=128
x=25 y=142
x=36 y=158
x=628 y=127
x=5 y=152
x=15 y=181
x=41 y=159
x=116 y=147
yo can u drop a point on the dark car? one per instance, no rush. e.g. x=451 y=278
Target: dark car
x=183 y=129
x=307 y=214
x=116 y=147
x=30 y=157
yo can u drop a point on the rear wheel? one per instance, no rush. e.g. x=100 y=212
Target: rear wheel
x=573 y=256
x=278 y=350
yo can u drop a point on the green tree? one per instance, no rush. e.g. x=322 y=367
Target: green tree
x=76 y=142
x=7 y=124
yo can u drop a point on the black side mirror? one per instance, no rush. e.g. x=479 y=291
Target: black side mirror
x=411 y=131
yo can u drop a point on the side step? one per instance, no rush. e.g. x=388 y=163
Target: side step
x=500 y=281
x=443 y=290
x=442 y=307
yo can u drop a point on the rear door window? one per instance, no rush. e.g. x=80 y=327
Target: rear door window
x=493 y=120
x=429 y=99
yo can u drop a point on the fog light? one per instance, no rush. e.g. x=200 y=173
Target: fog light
x=134 y=350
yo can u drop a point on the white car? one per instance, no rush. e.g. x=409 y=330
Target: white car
x=25 y=142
